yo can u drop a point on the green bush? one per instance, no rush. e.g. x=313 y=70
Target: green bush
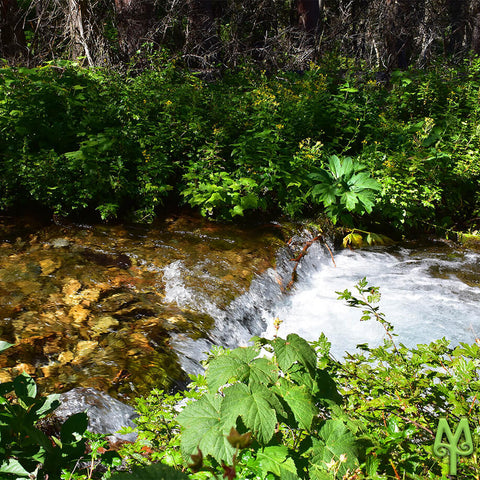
x=82 y=140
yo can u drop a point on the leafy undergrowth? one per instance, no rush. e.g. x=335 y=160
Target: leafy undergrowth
x=330 y=140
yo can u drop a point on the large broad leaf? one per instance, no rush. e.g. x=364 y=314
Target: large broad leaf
x=230 y=367
x=240 y=365
x=255 y=407
x=363 y=180
x=350 y=200
x=206 y=427
x=335 y=166
x=275 y=460
x=294 y=350
x=367 y=198
x=300 y=402
x=347 y=167
x=326 y=193
x=335 y=443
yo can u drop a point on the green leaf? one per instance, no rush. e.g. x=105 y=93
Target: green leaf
x=275 y=460
x=156 y=471
x=350 y=200
x=206 y=427
x=74 y=427
x=4 y=345
x=25 y=386
x=230 y=367
x=50 y=403
x=335 y=440
x=254 y=406
x=236 y=210
x=262 y=370
x=294 y=350
x=325 y=193
x=300 y=401
x=13 y=467
x=335 y=166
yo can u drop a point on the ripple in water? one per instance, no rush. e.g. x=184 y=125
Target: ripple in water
x=423 y=296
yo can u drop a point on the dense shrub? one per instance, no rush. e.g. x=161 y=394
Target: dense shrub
x=77 y=140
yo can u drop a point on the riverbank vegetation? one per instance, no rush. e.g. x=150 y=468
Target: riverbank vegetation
x=333 y=139
x=281 y=408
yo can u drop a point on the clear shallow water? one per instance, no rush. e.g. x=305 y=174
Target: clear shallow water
x=428 y=292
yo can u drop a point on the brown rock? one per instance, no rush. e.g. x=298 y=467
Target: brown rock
x=79 y=314
x=24 y=368
x=84 y=349
x=104 y=324
x=71 y=286
x=49 y=266
x=65 y=357
x=5 y=376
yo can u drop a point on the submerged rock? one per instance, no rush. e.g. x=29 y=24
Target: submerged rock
x=106 y=415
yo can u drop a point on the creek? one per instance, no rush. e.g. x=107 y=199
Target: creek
x=124 y=309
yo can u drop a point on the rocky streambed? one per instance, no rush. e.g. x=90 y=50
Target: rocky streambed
x=86 y=305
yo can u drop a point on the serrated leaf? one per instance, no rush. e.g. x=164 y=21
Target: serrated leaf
x=294 y=350
x=262 y=371
x=206 y=426
x=230 y=367
x=300 y=402
x=255 y=408
x=335 y=440
x=275 y=460
x=327 y=194
x=350 y=200
x=249 y=201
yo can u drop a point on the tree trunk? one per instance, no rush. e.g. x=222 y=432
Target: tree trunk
x=402 y=20
x=78 y=41
x=476 y=30
x=134 y=20
x=12 y=36
x=456 y=13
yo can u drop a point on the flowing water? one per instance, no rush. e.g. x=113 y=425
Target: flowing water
x=429 y=290
x=125 y=308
